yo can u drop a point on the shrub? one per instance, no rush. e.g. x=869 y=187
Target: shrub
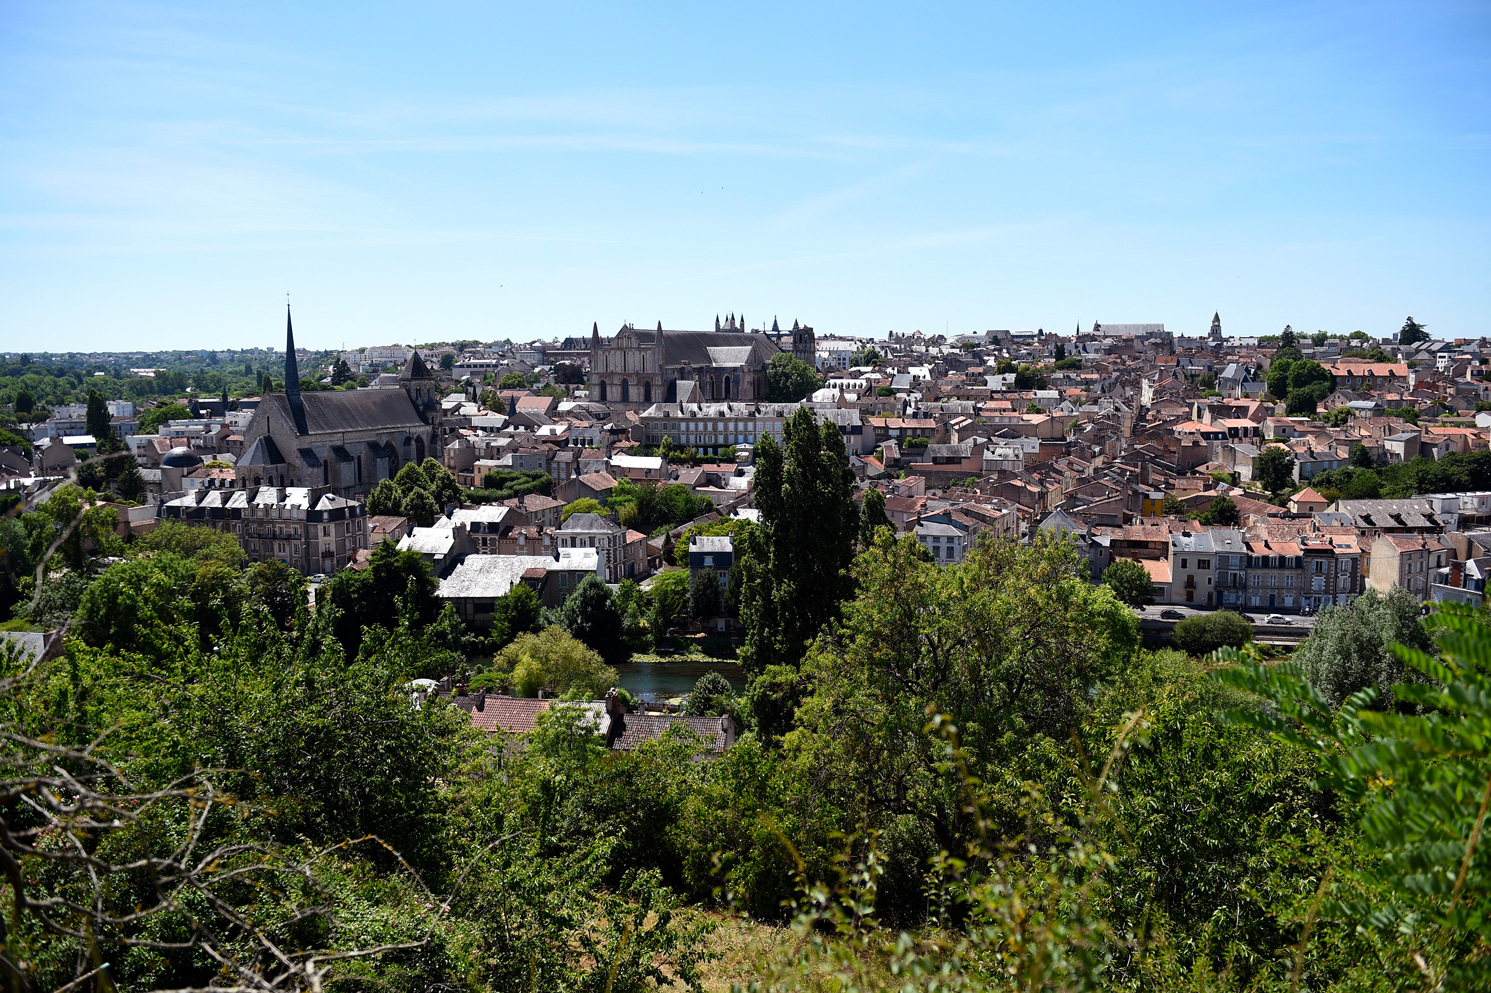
x=1202 y=634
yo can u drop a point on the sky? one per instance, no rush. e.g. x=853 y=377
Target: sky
x=451 y=170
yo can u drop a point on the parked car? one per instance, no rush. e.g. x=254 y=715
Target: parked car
x=1277 y=619
x=1172 y=615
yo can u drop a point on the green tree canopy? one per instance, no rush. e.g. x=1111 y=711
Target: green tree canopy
x=584 y=505
x=1273 y=468
x=1412 y=333
x=1221 y=512
x=1130 y=582
x=711 y=696
x=790 y=379
x=704 y=594
x=1349 y=649
x=796 y=567
x=385 y=499
x=153 y=417
x=368 y=598
x=557 y=663
x=590 y=614
x=1202 y=634
x=872 y=516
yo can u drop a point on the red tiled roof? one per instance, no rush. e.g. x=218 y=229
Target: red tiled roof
x=515 y=715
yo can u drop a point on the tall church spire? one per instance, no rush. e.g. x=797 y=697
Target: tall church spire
x=292 y=376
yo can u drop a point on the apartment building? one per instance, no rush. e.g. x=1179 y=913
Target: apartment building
x=1275 y=575
x=1406 y=560
x=622 y=556
x=306 y=528
x=1206 y=567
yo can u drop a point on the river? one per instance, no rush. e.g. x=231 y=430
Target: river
x=664 y=680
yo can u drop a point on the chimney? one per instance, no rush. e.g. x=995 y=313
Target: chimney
x=481 y=699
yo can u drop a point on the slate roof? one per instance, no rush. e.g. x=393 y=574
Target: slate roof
x=700 y=348
x=637 y=729
x=263 y=452
x=328 y=411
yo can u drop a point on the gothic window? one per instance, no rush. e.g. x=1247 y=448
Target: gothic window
x=672 y=395
x=737 y=386
x=419 y=449
x=626 y=391
x=727 y=387
x=647 y=392
x=603 y=391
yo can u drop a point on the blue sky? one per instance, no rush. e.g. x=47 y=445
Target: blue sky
x=461 y=170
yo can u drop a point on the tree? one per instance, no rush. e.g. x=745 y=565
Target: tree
x=411 y=477
x=368 y=598
x=1319 y=338
x=584 y=505
x=1028 y=377
x=790 y=379
x=590 y=614
x=1273 y=468
x=797 y=566
x=419 y=507
x=25 y=403
x=556 y=662
x=1349 y=648
x=1288 y=339
x=513 y=381
x=1412 y=333
x=1339 y=417
x=872 y=516
x=1172 y=506
x=341 y=372
x=1221 y=512
x=710 y=697
x=1409 y=414
x=1202 y=634
x=385 y=499
x=152 y=418
x=519 y=611
x=1278 y=377
x=1059 y=352
x=669 y=599
x=1361 y=458
x=131 y=483
x=448 y=361
x=443 y=485
x=867 y=356
x=1413 y=779
x=1130 y=582
x=98 y=417
x=191 y=541
x=704 y=594
x=277 y=588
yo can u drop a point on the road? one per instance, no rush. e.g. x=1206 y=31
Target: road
x=1299 y=624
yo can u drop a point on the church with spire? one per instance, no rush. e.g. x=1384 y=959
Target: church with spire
x=633 y=369
x=344 y=440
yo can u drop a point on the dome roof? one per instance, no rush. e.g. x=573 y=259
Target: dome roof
x=181 y=458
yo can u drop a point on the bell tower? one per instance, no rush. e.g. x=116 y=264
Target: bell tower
x=804 y=344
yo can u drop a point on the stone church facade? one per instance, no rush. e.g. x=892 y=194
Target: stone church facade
x=346 y=440
x=635 y=368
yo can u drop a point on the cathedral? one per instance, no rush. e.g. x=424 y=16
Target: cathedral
x=634 y=369
x=347 y=440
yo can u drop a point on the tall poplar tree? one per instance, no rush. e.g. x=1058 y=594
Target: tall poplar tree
x=797 y=566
